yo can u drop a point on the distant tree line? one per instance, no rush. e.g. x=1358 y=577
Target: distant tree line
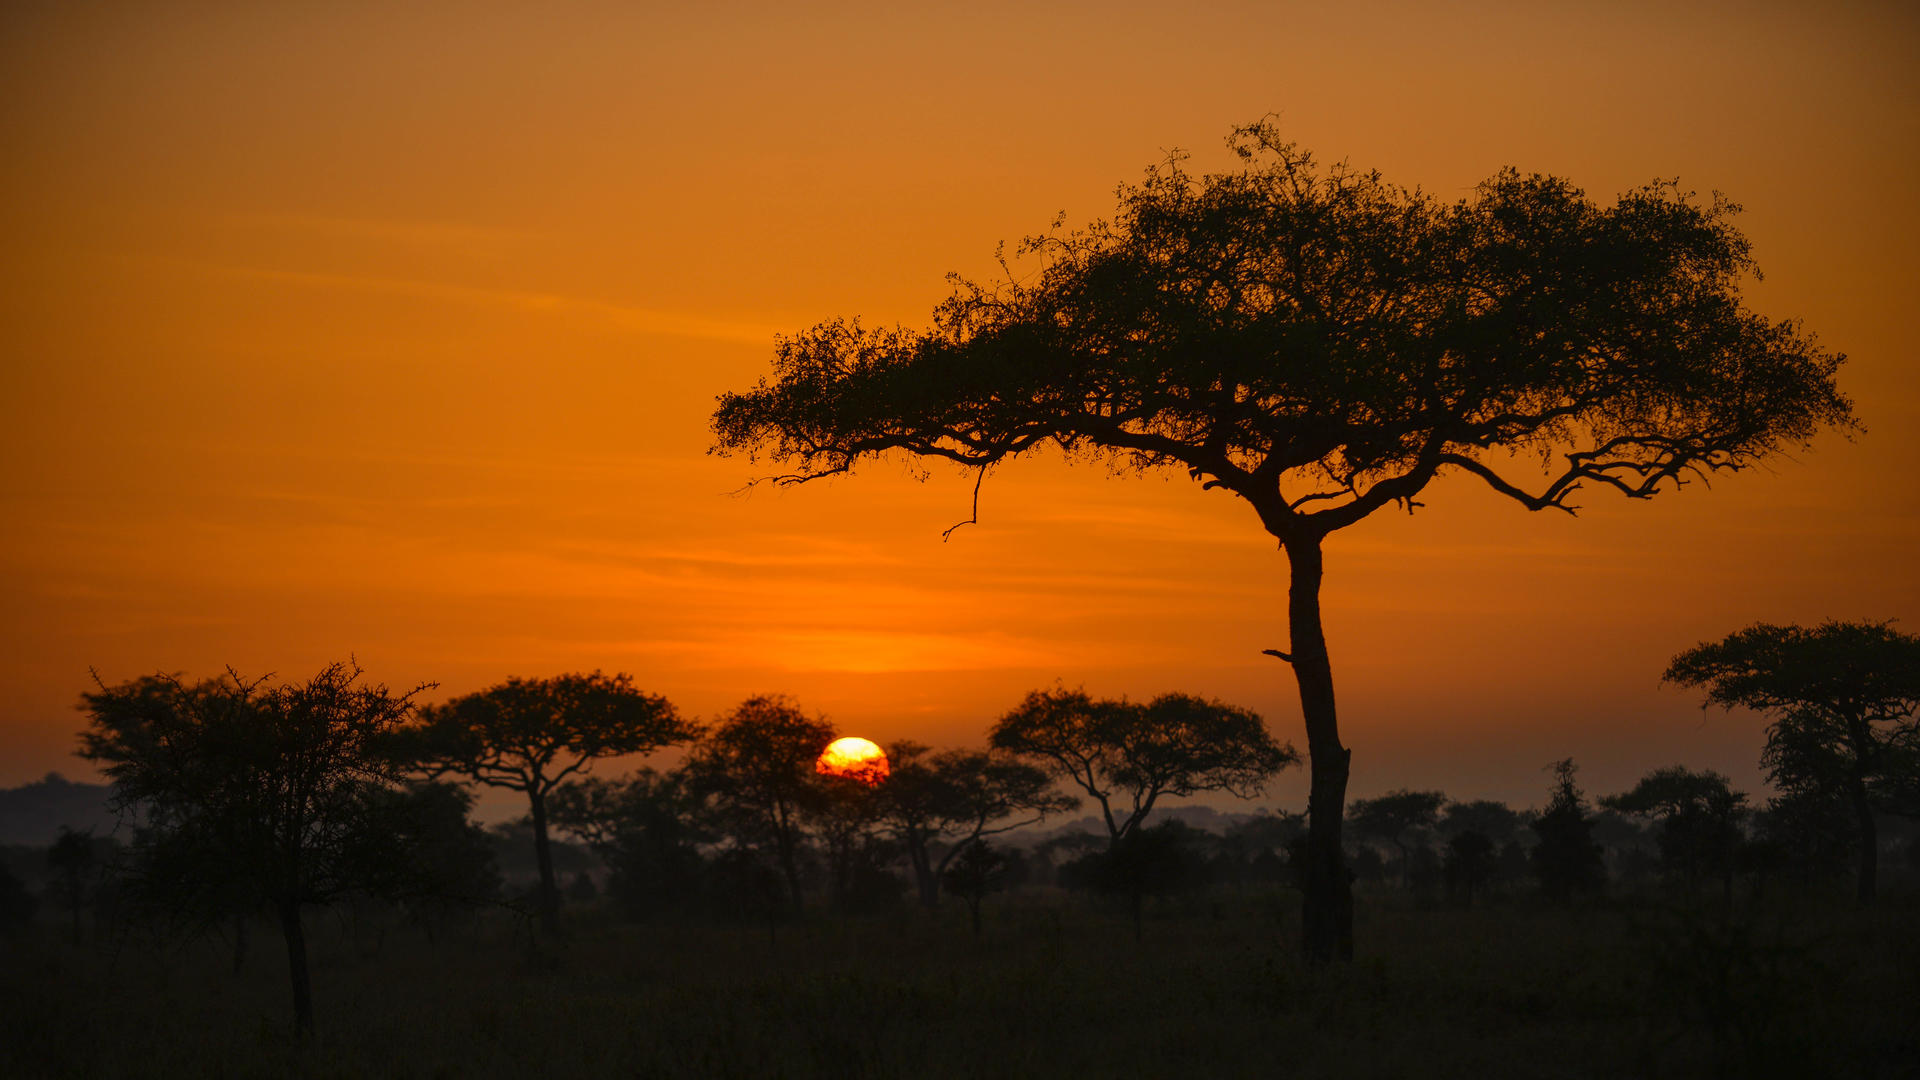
x=252 y=800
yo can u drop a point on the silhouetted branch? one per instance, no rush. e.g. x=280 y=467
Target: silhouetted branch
x=975 y=519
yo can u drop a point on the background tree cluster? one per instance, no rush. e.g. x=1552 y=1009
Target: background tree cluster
x=252 y=798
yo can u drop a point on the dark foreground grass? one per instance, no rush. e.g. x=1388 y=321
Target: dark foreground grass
x=1054 y=987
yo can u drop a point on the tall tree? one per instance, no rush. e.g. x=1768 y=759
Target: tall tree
x=1126 y=755
x=1323 y=344
x=755 y=769
x=959 y=796
x=1395 y=815
x=1841 y=698
x=1566 y=860
x=254 y=793
x=531 y=735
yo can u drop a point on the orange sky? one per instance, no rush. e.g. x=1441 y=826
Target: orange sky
x=332 y=329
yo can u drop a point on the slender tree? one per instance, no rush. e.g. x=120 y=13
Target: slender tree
x=1395 y=815
x=1842 y=700
x=1566 y=860
x=532 y=735
x=755 y=769
x=1324 y=344
x=959 y=796
x=1127 y=755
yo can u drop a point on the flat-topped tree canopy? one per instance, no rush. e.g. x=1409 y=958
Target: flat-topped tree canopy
x=1322 y=342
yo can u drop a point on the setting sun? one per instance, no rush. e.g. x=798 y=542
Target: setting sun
x=855 y=759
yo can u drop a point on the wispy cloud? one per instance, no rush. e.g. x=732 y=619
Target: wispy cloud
x=638 y=320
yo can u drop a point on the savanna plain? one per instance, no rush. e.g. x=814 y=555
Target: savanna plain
x=1789 y=984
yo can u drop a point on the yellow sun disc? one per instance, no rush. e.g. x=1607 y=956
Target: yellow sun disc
x=854 y=758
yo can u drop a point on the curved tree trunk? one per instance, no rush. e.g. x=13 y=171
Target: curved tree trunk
x=543 y=854
x=1327 y=917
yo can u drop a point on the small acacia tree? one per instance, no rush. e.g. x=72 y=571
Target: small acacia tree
x=977 y=871
x=1127 y=755
x=1324 y=344
x=1842 y=699
x=755 y=772
x=1391 y=817
x=255 y=793
x=1699 y=817
x=531 y=735
x=959 y=796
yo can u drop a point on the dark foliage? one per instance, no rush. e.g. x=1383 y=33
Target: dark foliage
x=977 y=871
x=644 y=827
x=1151 y=861
x=531 y=735
x=1323 y=344
x=957 y=797
x=255 y=795
x=17 y=904
x=1399 y=818
x=754 y=774
x=1699 y=817
x=1841 y=699
x=1566 y=860
x=1129 y=754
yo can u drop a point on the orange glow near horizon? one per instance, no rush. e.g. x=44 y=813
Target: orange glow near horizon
x=395 y=332
x=853 y=758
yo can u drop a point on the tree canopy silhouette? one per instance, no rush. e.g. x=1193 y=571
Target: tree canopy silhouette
x=530 y=735
x=1842 y=699
x=1566 y=860
x=1323 y=343
x=1392 y=816
x=755 y=771
x=960 y=796
x=1176 y=744
x=255 y=794
x=1699 y=816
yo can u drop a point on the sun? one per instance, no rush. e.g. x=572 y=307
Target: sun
x=856 y=759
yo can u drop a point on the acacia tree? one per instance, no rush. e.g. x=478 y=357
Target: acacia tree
x=1842 y=698
x=1699 y=818
x=755 y=771
x=960 y=796
x=1392 y=816
x=253 y=793
x=531 y=735
x=1322 y=344
x=1176 y=744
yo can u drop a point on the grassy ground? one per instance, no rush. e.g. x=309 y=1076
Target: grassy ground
x=1055 y=986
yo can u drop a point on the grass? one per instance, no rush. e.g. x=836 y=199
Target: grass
x=1056 y=986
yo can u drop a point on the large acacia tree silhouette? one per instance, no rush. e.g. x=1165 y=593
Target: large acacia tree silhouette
x=1322 y=344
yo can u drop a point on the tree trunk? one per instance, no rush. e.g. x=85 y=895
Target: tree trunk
x=790 y=866
x=296 y=936
x=549 y=899
x=1326 y=925
x=1869 y=839
x=923 y=871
